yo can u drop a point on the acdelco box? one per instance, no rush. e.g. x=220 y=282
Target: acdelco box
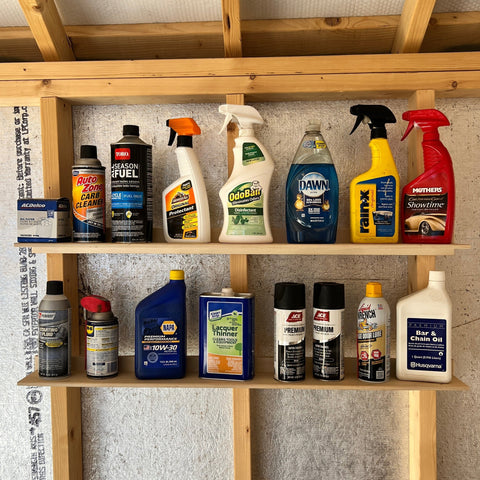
x=43 y=220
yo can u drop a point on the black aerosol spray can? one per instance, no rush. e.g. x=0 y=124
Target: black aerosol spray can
x=131 y=172
x=289 y=326
x=328 y=310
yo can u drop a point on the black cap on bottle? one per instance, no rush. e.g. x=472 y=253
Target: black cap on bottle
x=329 y=295
x=131 y=130
x=289 y=296
x=88 y=151
x=54 y=287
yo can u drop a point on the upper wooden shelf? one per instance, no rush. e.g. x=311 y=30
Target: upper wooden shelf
x=263 y=379
x=260 y=79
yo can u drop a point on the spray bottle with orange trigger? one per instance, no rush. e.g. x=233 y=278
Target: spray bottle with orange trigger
x=186 y=216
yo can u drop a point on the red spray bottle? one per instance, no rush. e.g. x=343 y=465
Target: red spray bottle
x=428 y=202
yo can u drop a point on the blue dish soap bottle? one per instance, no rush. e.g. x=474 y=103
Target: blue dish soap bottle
x=311 y=207
x=160 y=331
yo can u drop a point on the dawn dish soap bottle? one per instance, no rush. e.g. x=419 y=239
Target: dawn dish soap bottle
x=186 y=216
x=245 y=195
x=375 y=194
x=311 y=207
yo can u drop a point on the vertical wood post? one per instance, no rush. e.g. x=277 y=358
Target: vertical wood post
x=422 y=404
x=57 y=152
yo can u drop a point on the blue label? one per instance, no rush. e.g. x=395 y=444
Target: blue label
x=127 y=200
x=160 y=343
x=427 y=344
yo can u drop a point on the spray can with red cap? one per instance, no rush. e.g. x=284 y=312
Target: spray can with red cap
x=428 y=206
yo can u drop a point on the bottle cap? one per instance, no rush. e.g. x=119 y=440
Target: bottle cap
x=436 y=276
x=313 y=126
x=228 y=292
x=289 y=296
x=329 y=295
x=131 y=130
x=374 y=289
x=177 y=275
x=88 y=151
x=96 y=303
x=54 y=287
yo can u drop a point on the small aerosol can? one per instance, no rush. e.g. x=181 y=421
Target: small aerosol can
x=54 y=330
x=88 y=197
x=101 y=337
x=328 y=310
x=289 y=327
x=373 y=336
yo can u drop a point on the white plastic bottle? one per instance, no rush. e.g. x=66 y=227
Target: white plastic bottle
x=424 y=333
x=245 y=196
x=186 y=215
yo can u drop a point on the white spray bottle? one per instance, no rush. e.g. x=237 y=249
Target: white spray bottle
x=245 y=195
x=186 y=216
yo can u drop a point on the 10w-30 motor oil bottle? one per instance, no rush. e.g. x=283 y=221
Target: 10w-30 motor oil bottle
x=160 y=331
x=131 y=185
x=428 y=205
x=375 y=194
x=311 y=207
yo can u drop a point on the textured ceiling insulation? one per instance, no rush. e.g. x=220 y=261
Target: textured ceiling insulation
x=93 y=12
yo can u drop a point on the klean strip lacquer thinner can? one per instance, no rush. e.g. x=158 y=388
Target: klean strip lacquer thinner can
x=227 y=335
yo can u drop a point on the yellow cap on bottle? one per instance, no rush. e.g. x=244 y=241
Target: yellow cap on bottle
x=177 y=275
x=374 y=289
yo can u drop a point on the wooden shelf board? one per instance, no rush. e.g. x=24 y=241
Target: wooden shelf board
x=263 y=379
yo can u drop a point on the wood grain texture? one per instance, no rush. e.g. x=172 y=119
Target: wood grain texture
x=232 y=36
x=242 y=459
x=47 y=29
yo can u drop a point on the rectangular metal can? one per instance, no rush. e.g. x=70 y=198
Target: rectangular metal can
x=226 y=326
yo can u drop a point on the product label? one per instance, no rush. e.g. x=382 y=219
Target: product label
x=373 y=340
x=328 y=344
x=102 y=350
x=245 y=209
x=160 y=343
x=316 y=144
x=88 y=193
x=375 y=200
x=182 y=215
x=251 y=153
x=54 y=343
x=225 y=337
x=427 y=344
x=425 y=211
x=131 y=182
x=289 y=356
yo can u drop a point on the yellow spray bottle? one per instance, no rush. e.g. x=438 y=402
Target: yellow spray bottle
x=375 y=194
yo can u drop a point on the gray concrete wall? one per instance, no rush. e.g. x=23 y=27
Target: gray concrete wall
x=131 y=433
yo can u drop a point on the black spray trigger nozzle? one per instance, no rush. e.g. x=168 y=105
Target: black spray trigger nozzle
x=376 y=116
x=358 y=121
x=173 y=134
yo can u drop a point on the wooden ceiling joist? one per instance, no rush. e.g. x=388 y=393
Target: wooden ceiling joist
x=47 y=29
x=232 y=36
x=413 y=24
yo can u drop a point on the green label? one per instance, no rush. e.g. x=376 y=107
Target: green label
x=224 y=335
x=245 y=209
x=251 y=154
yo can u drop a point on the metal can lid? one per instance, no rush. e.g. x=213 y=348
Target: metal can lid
x=329 y=295
x=289 y=295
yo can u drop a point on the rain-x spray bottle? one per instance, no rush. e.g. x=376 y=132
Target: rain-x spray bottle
x=374 y=195
x=186 y=216
x=245 y=195
x=428 y=206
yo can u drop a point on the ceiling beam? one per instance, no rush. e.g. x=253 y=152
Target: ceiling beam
x=232 y=36
x=47 y=28
x=413 y=24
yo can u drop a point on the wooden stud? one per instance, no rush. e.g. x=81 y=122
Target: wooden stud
x=242 y=459
x=48 y=30
x=422 y=435
x=413 y=24
x=232 y=36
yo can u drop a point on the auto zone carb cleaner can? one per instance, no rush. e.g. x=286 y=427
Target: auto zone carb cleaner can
x=88 y=197
x=373 y=336
x=289 y=328
x=131 y=185
x=328 y=310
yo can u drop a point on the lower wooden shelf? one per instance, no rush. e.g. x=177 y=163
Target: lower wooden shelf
x=263 y=379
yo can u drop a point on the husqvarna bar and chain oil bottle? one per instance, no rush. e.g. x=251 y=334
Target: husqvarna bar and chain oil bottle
x=311 y=206
x=373 y=336
x=289 y=328
x=375 y=194
x=54 y=330
x=160 y=331
x=328 y=310
x=428 y=206
x=88 y=197
x=131 y=185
